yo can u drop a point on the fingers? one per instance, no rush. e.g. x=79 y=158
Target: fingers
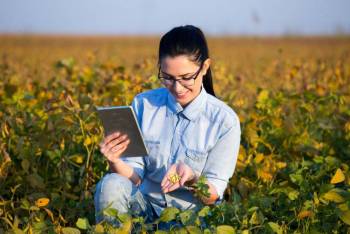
x=111 y=137
x=111 y=141
x=172 y=187
x=116 y=141
x=116 y=154
x=171 y=170
x=184 y=174
x=115 y=148
x=166 y=183
x=114 y=145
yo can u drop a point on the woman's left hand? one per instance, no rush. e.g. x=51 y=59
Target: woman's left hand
x=176 y=177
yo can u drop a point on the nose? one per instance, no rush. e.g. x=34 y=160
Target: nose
x=177 y=86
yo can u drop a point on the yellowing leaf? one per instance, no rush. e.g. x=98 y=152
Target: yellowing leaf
x=99 y=228
x=77 y=158
x=265 y=176
x=304 y=214
x=333 y=196
x=225 y=229
x=345 y=217
x=263 y=96
x=343 y=207
x=258 y=158
x=42 y=202
x=281 y=165
x=275 y=227
x=87 y=141
x=50 y=214
x=338 y=177
x=256 y=218
x=70 y=230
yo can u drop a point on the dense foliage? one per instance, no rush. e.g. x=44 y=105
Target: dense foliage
x=292 y=174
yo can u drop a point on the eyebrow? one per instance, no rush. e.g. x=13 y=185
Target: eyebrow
x=179 y=75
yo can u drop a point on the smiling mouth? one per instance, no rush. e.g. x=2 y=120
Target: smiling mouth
x=181 y=95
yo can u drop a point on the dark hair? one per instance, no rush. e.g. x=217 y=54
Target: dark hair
x=187 y=40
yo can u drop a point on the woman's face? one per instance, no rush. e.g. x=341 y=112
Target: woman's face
x=179 y=67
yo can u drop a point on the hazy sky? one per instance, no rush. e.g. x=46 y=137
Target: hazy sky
x=262 y=17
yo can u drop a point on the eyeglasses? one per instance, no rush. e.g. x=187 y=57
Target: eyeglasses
x=168 y=80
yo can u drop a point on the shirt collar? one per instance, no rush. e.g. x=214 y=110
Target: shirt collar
x=192 y=110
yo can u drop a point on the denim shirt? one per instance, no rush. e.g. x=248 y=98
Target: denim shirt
x=205 y=135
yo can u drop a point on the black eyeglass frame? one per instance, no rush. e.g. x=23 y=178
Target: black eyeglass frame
x=194 y=77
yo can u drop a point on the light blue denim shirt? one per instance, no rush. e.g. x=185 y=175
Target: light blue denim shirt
x=205 y=135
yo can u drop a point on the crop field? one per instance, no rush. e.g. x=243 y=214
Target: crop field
x=292 y=96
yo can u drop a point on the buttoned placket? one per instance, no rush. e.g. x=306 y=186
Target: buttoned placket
x=176 y=138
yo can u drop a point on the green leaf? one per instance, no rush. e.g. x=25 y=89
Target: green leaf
x=204 y=211
x=25 y=204
x=70 y=230
x=25 y=165
x=39 y=226
x=296 y=178
x=193 y=230
x=110 y=212
x=83 y=223
x=275 y=227
x=293 y=194
x=34 y=208
x=124 y=217
x=225 y=229
x=36 y=181
x=187 y=217
x=169 y=214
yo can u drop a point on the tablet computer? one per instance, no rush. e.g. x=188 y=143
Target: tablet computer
x=123 y=119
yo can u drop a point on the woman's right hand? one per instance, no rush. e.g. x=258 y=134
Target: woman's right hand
x=114 y=145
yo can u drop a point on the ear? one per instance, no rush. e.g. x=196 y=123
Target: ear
x=206 y=66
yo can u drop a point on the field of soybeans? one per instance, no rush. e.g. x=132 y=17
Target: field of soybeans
x=292 y=96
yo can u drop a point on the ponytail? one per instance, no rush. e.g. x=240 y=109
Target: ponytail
x=208 y=82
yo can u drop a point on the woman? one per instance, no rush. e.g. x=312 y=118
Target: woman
x=188 y=131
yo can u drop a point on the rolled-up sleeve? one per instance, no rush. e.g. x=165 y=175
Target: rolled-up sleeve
x=137 y=163
x=222 y=158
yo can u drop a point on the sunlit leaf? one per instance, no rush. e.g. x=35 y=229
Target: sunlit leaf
x=334 y=195
x=338 y=177
x=225 y=229
x=275 y=227
x=168 y=214
x=42 y=202
x=83 y=223
x=70 y=230
x=345 y=217
x=304 y=214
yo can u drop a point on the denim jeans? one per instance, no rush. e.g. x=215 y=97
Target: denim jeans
x=118 y=192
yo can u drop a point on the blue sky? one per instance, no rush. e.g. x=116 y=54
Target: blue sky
x=217 y=17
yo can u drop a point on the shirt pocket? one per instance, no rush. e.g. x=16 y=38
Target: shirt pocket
x=196 y=159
